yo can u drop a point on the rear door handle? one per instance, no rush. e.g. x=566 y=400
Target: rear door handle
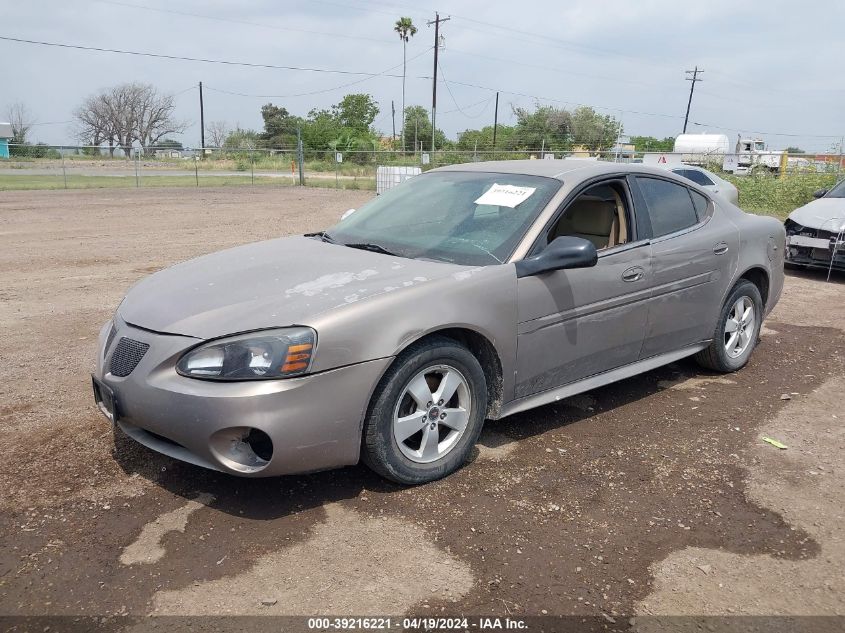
x=635 y=273
x=721 y=248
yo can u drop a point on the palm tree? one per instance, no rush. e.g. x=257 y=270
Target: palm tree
x=406 y=30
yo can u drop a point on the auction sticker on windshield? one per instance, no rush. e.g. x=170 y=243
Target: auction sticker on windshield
x=506 y=195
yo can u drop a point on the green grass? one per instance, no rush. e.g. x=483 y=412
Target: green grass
x=23 y=182
x=363 y=184
x=778 y=196
x=30 y=183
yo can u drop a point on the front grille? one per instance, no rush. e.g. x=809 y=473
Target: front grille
x=126 y=356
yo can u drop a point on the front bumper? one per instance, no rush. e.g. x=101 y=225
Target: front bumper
x=820 y=256
x=818 y=247
x=314 y=422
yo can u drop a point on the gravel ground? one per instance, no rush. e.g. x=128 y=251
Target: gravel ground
x=651 y=497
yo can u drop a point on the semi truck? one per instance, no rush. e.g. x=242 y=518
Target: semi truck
x=748 y=153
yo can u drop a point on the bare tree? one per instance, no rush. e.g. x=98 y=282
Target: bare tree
x=154 y=114
x=217 y=133
x=124 y=114
x=94 y=125
x=21 y=120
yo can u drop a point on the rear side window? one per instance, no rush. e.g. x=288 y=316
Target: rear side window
x=700 y=203
x=670 y=206
x=693 y=174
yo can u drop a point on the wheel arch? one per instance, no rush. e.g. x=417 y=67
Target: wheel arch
x=759 y=276
x=479 y=344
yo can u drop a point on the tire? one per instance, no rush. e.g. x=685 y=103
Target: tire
x=721 y=355
x=391 y=446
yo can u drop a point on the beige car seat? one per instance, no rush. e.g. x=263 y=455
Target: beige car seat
x=590 y=218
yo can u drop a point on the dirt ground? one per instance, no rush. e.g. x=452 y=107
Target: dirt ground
x=649 y=498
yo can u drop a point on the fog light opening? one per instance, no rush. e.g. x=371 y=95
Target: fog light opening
x=260 y=443
x=242 y=448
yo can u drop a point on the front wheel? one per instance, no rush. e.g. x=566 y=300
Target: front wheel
x=737 y=330
x=426 y=414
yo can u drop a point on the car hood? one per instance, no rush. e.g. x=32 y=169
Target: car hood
x=824 y=213
x=276 y=283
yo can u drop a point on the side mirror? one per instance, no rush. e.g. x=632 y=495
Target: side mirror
x=565 y=251
x=346 y=214
x=819 y=193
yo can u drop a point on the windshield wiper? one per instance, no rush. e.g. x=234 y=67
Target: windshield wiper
x=375 y=248
x=323 y=236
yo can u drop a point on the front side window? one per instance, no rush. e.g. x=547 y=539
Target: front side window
x=599 y=214
x=670 y=207
x=468 y=218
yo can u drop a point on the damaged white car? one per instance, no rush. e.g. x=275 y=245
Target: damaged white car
x=815 y=233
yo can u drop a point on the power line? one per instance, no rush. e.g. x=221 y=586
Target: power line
x=316 y=92
x=486 y=102
x=758 y=133
x=457 y=107
x=190 y=59
x=639 y=112
x=553 y=69
x=565 y=102
x=237 y=21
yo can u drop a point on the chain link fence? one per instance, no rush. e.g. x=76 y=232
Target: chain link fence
x=767 y=182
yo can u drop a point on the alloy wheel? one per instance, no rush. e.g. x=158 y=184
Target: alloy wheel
x=739 y=327
x=432 y=413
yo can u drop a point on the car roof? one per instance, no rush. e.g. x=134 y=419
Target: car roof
x=558 y=168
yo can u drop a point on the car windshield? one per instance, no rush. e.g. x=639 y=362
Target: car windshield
x=838 y=191
x=469 y=218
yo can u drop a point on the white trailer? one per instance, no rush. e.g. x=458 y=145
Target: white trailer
x=701 y=147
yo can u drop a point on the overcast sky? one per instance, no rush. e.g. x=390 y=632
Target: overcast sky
x=770 y=67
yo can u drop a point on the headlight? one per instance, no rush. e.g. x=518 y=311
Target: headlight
x=281 y=353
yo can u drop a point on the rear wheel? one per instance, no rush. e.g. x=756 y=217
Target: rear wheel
x=426 y=414
x=736 y=331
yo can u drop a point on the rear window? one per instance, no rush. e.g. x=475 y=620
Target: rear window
x=693 y=174
x=670 y=206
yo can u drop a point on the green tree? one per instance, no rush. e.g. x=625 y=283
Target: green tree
x=168 y=143
x=279 y=126
x=593 y=130
x=794 y=150
x=406 y=30
x=321 y=127
x=468 y=140
x=241 y=139
x=653 y=144
x=356 y=111
x=358 y=146
x=545 y=126
x=417 y=129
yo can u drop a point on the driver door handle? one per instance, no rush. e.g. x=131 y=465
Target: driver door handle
x=721 y=248
x=635 y=273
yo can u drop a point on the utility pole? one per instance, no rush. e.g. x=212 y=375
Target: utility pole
x=693 y=78
x=300 y=155
x=393 y=116
x=202 y=125
x=495 y=121
x=436 y=23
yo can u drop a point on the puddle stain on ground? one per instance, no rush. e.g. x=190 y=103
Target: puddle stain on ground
x=350 y=564
x=803 y=484
x=147 y=548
